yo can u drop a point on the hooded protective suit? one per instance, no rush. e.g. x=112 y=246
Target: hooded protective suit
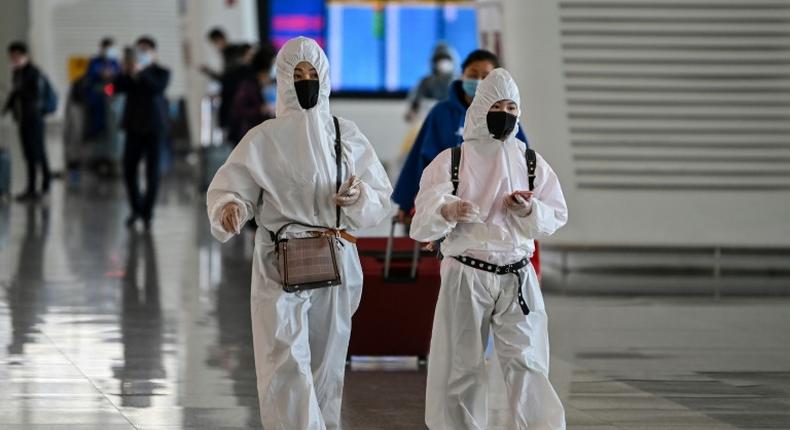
x=472 y=301
x=442 y=129
x=284 y=170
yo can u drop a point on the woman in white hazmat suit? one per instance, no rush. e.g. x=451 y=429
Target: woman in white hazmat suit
x=489 y=226
x=284 y=171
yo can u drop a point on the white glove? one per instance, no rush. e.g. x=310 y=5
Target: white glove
x=460 y=211
x=349 y=192
x=518 y=204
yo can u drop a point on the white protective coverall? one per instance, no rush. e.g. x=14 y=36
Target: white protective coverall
x=471 y=301
x=284 y=170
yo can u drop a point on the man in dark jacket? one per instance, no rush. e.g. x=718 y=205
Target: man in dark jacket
x=25 y=102
x=145 y=121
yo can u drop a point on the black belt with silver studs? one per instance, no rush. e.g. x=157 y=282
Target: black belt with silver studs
x=514 y=269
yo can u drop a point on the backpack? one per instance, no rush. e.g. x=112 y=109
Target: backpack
x=47 y=95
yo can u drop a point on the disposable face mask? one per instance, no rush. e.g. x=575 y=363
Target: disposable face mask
x=500 y=124
x=470 y=86
x=444 y=66
x=307 y=92
x=143 y=58
x=112 y=53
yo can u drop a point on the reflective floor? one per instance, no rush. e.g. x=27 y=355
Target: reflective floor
x=101 y=328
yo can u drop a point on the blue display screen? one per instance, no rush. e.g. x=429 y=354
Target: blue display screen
x=377 y=46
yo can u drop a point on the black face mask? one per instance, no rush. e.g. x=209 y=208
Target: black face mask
x=500 y=124
x=307 y=92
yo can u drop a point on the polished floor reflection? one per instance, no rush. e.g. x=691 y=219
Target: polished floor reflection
x=103 y=328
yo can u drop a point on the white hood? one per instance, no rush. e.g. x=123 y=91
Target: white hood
x=498 y=85
x=292 y=53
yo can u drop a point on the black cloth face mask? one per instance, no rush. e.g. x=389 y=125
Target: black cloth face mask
x=307 y=92
x=500 y=123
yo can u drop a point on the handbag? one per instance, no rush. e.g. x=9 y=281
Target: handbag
x=307 y=263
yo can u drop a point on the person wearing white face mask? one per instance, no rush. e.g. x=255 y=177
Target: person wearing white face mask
x=303 y=174
x=436 y=85
x=102 y=70
x=483 y=200
x=145 y=121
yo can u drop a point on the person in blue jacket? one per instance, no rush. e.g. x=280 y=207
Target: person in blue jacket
x=102 y=70
x=443 y=127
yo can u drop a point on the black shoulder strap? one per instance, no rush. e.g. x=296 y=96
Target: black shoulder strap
x=532 y=164
x=455 y=166
x=339 y=164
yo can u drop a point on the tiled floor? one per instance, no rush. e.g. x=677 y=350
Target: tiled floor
x=104 y=329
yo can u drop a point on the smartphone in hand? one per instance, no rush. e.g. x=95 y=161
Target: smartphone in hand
x=526 y=195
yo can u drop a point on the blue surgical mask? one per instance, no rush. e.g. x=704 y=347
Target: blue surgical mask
x=144 y=58
x=112 y=53
x=470 y=86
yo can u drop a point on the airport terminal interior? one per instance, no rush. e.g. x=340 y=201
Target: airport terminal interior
x=667 y=292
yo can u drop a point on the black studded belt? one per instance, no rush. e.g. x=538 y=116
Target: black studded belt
x=514 y=269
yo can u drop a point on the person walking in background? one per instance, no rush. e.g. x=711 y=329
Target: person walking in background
x=30 y=98
x=102 y=70
x=436 y=85
x=145 y=122
x=216 y=36
x=235 y=69
x=250 y=106
x=442 y=128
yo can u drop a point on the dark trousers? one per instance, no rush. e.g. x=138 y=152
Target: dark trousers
x=31 y=135
x=141 y=147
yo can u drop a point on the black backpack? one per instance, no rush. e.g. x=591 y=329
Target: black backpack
x=47 y=95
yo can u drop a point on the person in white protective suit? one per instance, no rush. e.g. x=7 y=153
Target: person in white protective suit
x=489 y=224
x=284 y=171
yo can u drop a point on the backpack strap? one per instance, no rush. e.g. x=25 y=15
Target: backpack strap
x=455 y=166
x=532 y=164
x=339 y=164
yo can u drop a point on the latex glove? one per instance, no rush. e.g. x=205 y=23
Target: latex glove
x=231 y=218
x=460 y=211
x=349 y=192
x=518 y=204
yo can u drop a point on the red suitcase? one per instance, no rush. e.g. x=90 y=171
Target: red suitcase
x=395 y=315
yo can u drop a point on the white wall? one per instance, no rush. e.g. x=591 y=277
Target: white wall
x=61 y=29
x=382 y=122
x=536 y=52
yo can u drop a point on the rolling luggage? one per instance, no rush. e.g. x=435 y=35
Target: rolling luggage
x=401 y=286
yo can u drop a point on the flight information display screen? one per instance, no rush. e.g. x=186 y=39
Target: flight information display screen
x=378 y=46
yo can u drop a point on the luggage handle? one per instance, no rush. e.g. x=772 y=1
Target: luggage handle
x=415 y=257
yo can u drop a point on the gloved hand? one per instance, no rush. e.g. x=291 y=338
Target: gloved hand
x=518 y=204
x=349 y=192
x=231 y=218
x=460 y=211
